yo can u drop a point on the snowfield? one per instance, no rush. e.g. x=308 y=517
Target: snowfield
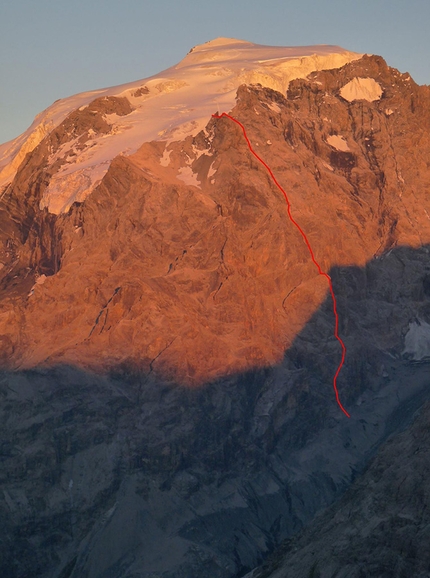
x=169 y=106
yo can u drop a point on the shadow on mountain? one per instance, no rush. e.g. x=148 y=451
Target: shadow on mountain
x=124 y=475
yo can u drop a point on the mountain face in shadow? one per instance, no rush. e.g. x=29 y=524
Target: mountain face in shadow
x=126 y=475
x=380 y=527
x=167 y=346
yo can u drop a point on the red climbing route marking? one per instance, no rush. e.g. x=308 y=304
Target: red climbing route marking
x=303 y=234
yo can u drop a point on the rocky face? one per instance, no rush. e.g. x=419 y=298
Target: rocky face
x=380 y=527
x=195 y=281
x=167 y=344
x=128 y=475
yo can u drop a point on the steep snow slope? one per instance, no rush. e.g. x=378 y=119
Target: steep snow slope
x=168 y=106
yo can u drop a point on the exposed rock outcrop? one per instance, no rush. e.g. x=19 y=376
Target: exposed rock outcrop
x=381 y=525
x=198 y=281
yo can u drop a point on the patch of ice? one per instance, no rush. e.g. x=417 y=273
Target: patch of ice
x=327 y=166
x=67 y=187
x=417 y=340
x=199 y=152
x=186 y=175
x=165 y=159
x=338 y=142
x=274 y=106
x=361 y=89
x=211 y=171
x=167 y=85
x=39 y=281
x=13 y=153
x=61 y=153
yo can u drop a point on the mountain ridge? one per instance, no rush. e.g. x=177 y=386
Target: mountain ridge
x=167 y=106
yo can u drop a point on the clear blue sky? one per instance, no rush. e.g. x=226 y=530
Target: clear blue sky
x=51 y=49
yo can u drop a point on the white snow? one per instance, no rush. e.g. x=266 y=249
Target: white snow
x=274 y=106
x=72 y=185
x=327 y=166
x=417 y=340
x=169 y=106
x=361 y=89
x=165 y=159
x=39 y=281
x=338 y=142
x=211 y=171
x=186 y=175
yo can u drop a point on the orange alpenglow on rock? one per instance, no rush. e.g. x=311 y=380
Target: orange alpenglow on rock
x=166 y=247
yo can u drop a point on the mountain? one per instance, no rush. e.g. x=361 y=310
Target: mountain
x=168 y=346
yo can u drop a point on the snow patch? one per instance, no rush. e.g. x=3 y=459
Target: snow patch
x=39 y=281
x=13 y=153
x=168 y=107
x=167 y=85
x=338 y=142
x=199 y=152
x=274 y=106
x=211 y=171
x=186 y=175
x=66 y=151
x=165 y=159
x=327 y=166
x=361 y=89
x=417 y=340
x=66 y=188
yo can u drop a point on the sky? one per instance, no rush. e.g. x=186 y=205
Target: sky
x=51 y=49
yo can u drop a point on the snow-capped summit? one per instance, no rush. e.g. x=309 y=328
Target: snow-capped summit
x=168 y=106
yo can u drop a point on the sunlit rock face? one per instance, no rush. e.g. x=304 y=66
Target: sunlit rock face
x=168 y=341
x=183 y=260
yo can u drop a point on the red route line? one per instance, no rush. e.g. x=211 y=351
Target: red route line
x=320 y=271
